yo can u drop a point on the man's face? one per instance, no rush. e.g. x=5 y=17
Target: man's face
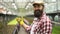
x=38 y=10
x=38 y=7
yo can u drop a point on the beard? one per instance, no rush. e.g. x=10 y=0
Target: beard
x=38 y=13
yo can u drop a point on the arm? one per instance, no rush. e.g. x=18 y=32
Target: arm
x=49 y=26
x=21 y=22
x=27 y=27
x=36 y=27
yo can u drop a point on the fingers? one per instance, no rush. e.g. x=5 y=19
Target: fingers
x=18 y=19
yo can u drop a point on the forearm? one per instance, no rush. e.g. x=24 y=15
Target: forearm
x=25 y=26
x=21 y=22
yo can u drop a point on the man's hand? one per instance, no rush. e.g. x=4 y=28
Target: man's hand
x=20 y=20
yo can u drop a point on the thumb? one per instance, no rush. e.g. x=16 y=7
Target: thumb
x=21 y=22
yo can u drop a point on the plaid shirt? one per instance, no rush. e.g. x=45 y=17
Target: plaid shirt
x=41 y=26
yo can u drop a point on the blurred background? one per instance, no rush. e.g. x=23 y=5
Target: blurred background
x=11 y=9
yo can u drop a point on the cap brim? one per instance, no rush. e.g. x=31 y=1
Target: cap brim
x=38 y=4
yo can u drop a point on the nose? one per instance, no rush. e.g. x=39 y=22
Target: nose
x=36 y=8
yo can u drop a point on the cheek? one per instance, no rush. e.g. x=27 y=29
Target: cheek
x=41 y=8
x=33 y=8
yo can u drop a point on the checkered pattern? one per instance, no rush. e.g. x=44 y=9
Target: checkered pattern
x=42 y=26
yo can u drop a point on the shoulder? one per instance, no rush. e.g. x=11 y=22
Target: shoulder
x=48 y=19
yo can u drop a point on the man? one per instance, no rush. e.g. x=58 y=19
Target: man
x=41 y=24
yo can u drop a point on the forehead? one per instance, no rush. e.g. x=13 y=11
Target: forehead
x=34 y=5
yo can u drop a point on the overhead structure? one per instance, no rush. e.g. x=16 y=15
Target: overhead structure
x=21 y=7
